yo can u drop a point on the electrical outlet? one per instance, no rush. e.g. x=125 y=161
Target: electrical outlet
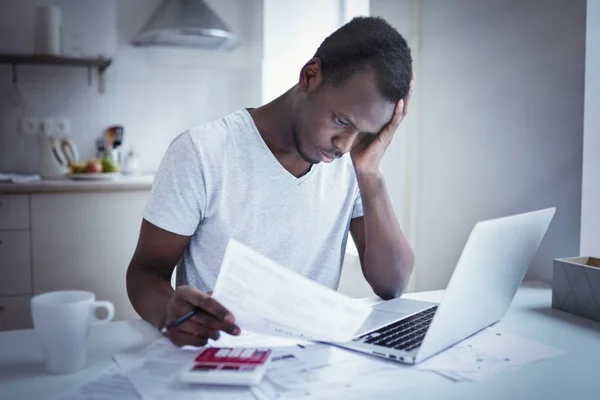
x=61 y=126
x=47 y=126
x=29 y=126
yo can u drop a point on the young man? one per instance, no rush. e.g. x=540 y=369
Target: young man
x=289 y=179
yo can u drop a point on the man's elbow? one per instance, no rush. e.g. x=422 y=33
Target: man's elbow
x=394 y=287
x=390 y=290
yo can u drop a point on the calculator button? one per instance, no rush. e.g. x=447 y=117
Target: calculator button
x=247 y=353
x=235 y=353
x=223 y=353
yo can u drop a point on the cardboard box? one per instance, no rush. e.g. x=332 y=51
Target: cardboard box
x=576 y=286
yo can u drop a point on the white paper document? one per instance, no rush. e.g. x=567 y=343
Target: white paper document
x=109 y=385
x=160 y=349
x=486 y=354
x=19 y=178
x=154 y=373
x=268 y=298
x=252 y=339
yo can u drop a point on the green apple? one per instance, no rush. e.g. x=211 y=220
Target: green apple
x=110 y=165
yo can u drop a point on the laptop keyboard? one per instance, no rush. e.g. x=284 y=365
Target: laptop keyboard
x=406 y=334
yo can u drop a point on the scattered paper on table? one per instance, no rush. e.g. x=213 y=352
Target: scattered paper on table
x=268 y=298
x=325 y=372
x=109 y=385
x=486 y=354
x=154 y=373
x=160 y=348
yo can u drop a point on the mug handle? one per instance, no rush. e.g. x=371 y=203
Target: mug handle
x=110 y=308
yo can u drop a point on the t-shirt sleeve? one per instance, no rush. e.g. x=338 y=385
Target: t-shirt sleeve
x=178 y=198
x=357 y=210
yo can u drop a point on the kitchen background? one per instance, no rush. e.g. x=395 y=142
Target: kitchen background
x=496 y=125
x=154 y=93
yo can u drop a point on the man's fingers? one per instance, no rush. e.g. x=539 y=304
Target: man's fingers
x=203 y=319
x=407 y=98
x=182 y=338
x=213 y=323
x=204 y=331
x=204 y=302
x=195 y=327
x=399 y=112
x=387 y=133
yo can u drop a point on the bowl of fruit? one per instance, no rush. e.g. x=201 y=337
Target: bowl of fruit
x=97 y=169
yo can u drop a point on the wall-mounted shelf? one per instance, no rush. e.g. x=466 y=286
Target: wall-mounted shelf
x=100 y=64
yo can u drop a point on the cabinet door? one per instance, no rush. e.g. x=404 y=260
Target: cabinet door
x=15 y=313
x=14 y=211
x=85 y=241
x=15 y=263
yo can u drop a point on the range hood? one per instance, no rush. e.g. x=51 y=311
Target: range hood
x=186 y=23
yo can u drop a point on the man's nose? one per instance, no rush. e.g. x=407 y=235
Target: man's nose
x=344 y=142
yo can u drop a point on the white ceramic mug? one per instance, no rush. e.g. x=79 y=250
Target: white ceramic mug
x=62 y=322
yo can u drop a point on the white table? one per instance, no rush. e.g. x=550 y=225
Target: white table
x=572 y=375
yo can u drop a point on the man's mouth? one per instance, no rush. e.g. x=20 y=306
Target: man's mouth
x=326 y=157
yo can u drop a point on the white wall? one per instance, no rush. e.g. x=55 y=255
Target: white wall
x=590 y=202
x=293 y=30
x=500 y=117
x=154 y=92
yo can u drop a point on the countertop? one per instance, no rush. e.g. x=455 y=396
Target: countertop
x=120 y=183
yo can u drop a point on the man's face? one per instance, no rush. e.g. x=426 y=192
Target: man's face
x=329 y=121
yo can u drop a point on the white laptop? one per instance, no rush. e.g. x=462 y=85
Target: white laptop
x=485 y=280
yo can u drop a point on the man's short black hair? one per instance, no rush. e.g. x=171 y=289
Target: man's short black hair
x=363 y=44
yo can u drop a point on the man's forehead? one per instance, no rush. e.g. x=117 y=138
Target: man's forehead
x=360 y=99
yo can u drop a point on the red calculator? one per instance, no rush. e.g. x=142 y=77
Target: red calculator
x=228 y=366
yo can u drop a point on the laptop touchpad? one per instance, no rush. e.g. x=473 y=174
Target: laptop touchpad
x=392 y=310
x=403 y=306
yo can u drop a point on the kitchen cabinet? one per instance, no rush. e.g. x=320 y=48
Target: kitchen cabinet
x=15 y=262
x=15 y=312
x=67 y=235
x=85 y=241
x=14 y=212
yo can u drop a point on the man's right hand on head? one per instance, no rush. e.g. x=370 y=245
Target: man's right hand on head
x=206 y=325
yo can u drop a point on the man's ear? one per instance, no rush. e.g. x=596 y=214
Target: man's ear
x=310 y=76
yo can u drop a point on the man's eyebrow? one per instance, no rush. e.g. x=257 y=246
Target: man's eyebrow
x=352 y=124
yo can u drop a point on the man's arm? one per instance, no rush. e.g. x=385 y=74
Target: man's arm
x=149 y=273
x=385 y=254
x=150 y=292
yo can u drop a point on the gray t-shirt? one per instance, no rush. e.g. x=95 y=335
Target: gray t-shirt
x=220 y=181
